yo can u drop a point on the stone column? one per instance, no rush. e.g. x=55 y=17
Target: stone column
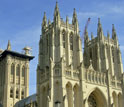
x=98 y=58
x=14 y=88
x=82 y=79
x=112 y=69
x=53 y=45
x=122 y=85
x=20 y=74
x=7 y=83
x=50 y=102
x=26 y=78
x=68 y=47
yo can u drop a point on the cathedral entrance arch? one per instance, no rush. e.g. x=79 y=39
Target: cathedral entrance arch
x=96 y=99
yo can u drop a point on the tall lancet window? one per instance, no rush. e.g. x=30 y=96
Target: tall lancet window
x=22 y=95
x=23 y=75
x=12 y=73
x=17 y=74
x=71 y=41
x=63 y=36
x=113 y=54
x=47 y=43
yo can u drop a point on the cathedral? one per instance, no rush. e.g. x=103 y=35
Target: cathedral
x=66 y=75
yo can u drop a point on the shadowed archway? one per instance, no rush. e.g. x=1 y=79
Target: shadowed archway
x=96 y=99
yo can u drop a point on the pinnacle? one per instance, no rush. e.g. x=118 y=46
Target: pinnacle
x=113 y=27
x=9 y=45
x=66 y=18
x=74 y=13
x=99 y=23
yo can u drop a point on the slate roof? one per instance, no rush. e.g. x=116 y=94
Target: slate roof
x=1 y=105
x=26 y=101
x=13 y=53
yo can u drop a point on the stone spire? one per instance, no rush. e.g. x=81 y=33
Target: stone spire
x=44 y=22
x=9 y=45
x=99 y=29
x=86 y=37
x=75 y=21
x=56 y=13
x=114 y=35
x=92 y=37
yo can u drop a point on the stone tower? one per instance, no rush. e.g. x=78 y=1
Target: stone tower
x=70 y=78
x=14 y=78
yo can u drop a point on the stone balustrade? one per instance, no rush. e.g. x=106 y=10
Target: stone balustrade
x=95 y=77
x=72 y=74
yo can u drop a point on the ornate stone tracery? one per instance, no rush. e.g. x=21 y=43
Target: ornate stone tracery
x=92 y=101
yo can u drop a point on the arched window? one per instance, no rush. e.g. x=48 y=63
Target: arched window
x=17 y=70
x=17 y=74
x=22 y=95
x=12 y=69
x=11 y=93
x=17 y=94
x=47 y=43
x=23 y=71
x=63 y=37
x=90 y=53
x=113 y=54
x=71 y=41
x=12 y=73
x=23 y=75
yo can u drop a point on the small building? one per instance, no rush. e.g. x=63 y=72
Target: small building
x=14 y=76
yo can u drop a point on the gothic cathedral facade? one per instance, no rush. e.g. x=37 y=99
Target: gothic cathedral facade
x=68 y=77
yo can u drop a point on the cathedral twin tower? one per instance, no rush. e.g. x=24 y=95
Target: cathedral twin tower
x=67 y=77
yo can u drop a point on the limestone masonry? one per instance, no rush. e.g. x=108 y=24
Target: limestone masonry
x=66 y=76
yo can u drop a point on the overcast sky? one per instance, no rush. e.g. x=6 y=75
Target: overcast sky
x=20 y=22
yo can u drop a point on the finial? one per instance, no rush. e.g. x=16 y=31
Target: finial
x=56 y=11
x=74 y=10
x=44 y=17
x=74 y=13
x=27 y=50
x=44 y=22
x=74 y=20
x=56 y=4
x=56 y=7
x=9 y=45
x=99 y=21
x=99 y=29
x=114 y=36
